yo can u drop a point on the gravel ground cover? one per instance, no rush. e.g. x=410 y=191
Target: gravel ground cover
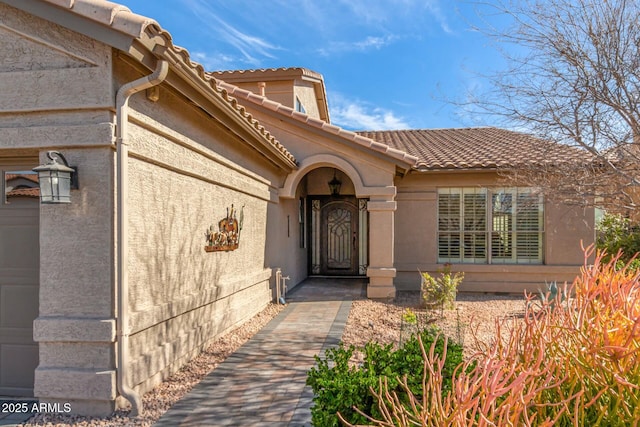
x=471 y=322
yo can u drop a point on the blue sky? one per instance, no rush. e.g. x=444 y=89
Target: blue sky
x=388 y=64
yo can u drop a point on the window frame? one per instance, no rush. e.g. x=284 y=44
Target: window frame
x=522 y=229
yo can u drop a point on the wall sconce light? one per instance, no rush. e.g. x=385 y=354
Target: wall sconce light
x=334 y=185
x=56 y=180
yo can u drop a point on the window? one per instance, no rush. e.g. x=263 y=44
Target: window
x=299 y=106
x=301 y=221
x=495 y=226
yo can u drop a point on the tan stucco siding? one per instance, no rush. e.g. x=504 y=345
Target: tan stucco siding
x=567 y=227
x=57 y=95
x=181 y=182
x=76 y=321
x=45 y=66
x=304 y=142
x=306 y=94
x=416 y=238
x=281 y=91
x=283 y=240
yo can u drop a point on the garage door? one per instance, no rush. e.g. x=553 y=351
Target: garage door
x=19 y=277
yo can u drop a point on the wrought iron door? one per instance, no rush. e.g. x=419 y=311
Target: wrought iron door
x=334 y=236
x=338 y=235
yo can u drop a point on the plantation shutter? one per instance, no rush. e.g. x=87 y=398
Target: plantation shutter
x=506 y=223
x=502 y=227
x=449 y=213
x=529 y=226
x=475 y=227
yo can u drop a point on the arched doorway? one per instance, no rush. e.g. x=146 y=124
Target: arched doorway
x=338 y=226
x=376 y=203
x=338 y=237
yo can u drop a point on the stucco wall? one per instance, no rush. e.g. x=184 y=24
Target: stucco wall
x=185 y=172
x=36 y=53
x=56 y=93
x=305 y=92
x=283 y=241
x=416 y=238
x=281 y=91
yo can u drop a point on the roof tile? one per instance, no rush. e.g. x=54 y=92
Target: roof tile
x=120 y=18
x=475 y=148
x=362 y=140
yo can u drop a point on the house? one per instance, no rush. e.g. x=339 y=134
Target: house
x=195 y=186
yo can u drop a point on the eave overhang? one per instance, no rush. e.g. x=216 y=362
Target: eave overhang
x=144 y=40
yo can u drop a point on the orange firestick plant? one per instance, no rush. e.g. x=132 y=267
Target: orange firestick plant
x=575 y=363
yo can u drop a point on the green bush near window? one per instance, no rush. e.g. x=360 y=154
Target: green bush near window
x=616 y=233
x=339 y=386
x=441 y=291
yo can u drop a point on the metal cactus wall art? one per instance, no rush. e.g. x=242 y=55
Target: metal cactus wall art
x=227 y=236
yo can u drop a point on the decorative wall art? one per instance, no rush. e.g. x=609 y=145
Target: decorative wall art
x=227 y=236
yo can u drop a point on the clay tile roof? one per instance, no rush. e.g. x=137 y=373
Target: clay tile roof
x=29 y=177
x=475 y=148
x=399 y=155
x=24 y=192
x=121 y=19
x=232 y=75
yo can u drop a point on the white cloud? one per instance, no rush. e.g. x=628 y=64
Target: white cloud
x=401 y=12
x=251 y=47
x=369 y=43
x=359 y=115
x=257 y=30
x=214 y=62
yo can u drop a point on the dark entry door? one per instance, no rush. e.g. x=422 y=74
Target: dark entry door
x=339 y=237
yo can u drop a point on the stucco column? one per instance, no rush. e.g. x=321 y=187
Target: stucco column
x=381 y=271
x=75 y=328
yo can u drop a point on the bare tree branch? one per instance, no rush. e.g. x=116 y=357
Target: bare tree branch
x=573 y=77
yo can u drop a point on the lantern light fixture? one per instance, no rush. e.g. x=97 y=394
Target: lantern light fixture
x=334 y=185
x=56 y=180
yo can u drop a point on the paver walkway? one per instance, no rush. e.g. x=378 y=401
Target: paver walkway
x=263 y=382
x=12 y=419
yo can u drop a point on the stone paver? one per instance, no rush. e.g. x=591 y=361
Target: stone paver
x=12 y=419
x=263 y=382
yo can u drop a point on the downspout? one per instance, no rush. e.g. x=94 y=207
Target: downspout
x=122 y=171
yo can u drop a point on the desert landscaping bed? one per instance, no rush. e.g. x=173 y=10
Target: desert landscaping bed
x=472 y=319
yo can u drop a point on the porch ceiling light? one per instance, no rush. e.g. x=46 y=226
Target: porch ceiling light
x=334 y=185
x=56 y=180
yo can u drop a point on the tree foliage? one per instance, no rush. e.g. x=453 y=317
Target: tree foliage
x=573 y=76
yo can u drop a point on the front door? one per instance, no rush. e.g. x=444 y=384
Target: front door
x=336 y=236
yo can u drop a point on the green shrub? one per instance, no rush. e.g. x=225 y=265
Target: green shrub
x=575 y=364
x=339 y=386
x=442 y=290
x=618 y=234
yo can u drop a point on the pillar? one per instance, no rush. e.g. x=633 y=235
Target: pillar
x=381 y=270
x=75 y=329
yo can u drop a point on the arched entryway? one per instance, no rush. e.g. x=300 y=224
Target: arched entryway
x=349 y=233
x=337 y=221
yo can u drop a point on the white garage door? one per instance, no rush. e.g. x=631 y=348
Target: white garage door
x=19 y=277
